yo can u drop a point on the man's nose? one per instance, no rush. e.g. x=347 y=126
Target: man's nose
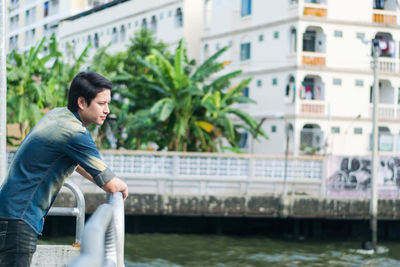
x=106 y=110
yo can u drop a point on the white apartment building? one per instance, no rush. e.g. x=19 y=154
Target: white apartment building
x=116 y=22
x=28 y=21
x=312 y=72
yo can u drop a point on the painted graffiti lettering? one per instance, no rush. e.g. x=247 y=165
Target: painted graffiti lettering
x=353 y=174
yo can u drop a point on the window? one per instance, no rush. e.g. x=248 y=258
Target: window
x=360 y=35
x=114 y=36
x=337 y=81
x=245 y=92
x=246 y=8
x=33 y=37
x=178 y=17
x=217 y=46
x=122 y=33
x=161 y=16
x=96 y=40
x=153 y=24
x=169 y=13
x=293 y=40
x=144 y=24
x=261 y=37
x=339 y=34
x=358 y=131
x=259 y=83
x=275 y=81
x=360 y=83
x=309 y=41
x=273 y=129
x=27 y=17
x=206 y=51
x=89 y=39
x=290 y=91
x=46 y=9
x=379 y=4
x=245 y=51
x=276 y=35
x=335 y=130
x=243 y=140
x=11 y=43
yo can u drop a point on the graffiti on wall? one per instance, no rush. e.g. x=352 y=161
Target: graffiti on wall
x=351 y=176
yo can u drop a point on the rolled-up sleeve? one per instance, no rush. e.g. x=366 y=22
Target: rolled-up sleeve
x=81 y=148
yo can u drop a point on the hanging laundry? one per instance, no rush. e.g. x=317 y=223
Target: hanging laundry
x=383 y=45
x=308 y=92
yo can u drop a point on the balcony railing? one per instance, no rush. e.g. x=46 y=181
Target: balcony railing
x=315 y=10
x=388 y=112
x=384 y=16
x=387 y=65
x=313 y=59
x=315 y=107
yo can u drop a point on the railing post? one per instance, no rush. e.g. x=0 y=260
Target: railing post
x=175 y=172
x=80 y=218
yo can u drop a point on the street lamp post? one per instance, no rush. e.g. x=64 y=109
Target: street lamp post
x=286 y=160
x=375 y=156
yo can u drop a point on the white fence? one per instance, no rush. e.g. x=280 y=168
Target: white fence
x=211 y=173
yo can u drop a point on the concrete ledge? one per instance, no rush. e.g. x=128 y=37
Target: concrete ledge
x=238 y=206
x=54 y=255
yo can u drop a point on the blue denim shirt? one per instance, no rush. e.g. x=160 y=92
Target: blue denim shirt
x=47 y=156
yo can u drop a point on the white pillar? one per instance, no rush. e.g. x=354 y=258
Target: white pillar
x=3 y=92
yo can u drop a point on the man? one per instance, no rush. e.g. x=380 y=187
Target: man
x=59 y=144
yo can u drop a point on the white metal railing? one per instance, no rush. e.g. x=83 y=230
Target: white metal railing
x=208 y=173
x=78 y=212
x=103 y=236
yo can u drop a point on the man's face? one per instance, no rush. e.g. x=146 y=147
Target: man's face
x=97 y=111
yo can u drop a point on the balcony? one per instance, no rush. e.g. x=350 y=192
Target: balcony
x=387 y=112
x=315 y=10
x=387 y=65
x=312 y=107
x=313 y=59
x=384 y=16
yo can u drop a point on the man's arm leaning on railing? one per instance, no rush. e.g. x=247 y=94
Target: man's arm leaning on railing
x=113 y=186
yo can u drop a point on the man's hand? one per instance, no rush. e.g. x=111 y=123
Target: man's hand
x=116 y=185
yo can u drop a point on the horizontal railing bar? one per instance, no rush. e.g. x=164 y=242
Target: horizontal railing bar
x=63 y=211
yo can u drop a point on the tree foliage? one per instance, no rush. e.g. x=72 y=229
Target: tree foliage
x=159 y=98
x=37 y=81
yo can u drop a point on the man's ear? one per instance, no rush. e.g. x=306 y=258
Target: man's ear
x=82 y=102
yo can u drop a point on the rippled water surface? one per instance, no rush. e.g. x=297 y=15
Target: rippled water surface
x=219 y=250
x=213 y=250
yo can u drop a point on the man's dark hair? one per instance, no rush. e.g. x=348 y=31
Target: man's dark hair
x=86 y=84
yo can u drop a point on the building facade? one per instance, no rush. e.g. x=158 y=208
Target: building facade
x=28 y=21
x=115 y=23
x=311 y=63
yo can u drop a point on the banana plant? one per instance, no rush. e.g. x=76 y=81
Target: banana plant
x=197 y=115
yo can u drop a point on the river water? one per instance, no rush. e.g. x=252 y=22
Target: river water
x=161 y=250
